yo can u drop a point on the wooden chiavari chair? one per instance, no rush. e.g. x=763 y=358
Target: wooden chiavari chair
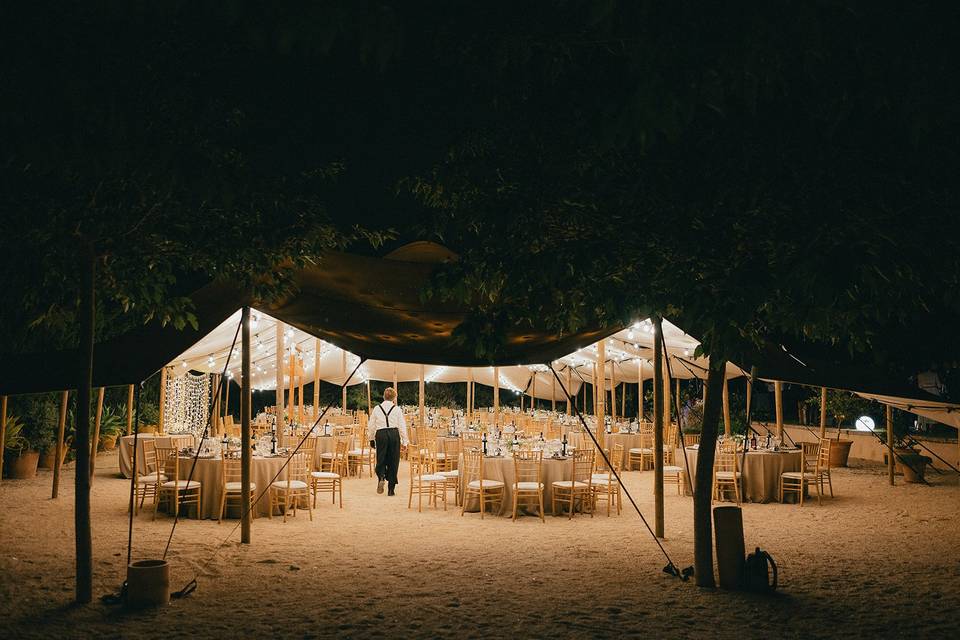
x=691 y=439
x=423 y=477
x=360 y=455
x=605 y=485
x=798 y=481
x=294 y=488
x=331 y=481
x=823 y=465
x=726 y=472
x=231 y=487
x=147 y=475
x=528 y=479
x=580 y=485
x=642 y=455
x=487 y=491
x=181 y=492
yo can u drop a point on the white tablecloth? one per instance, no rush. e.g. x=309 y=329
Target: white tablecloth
x=125 y=447
x=502 y=469
x=761 y=473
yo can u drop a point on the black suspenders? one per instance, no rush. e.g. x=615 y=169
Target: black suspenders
x=386 y=414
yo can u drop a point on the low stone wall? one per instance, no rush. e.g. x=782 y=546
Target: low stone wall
x=867 y=446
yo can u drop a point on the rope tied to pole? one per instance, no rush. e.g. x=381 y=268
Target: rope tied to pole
x=670 y=568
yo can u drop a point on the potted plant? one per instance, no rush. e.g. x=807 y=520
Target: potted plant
x=841 y=405
x=111 y=424
x=149 y=417
x=20 y=458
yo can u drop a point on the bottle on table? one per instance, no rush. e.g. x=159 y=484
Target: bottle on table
x=753 y=442
x=483 y=441
x=563 y=446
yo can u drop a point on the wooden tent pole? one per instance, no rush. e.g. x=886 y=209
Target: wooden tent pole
x=129 y=409
x=727 y=428
x=496 y=396
x=623 y=401
x=163 y=400
x=396 y=384
x=3 y=431
x=778 y=401
x=226 y=403
x=278 y=366
x=533 y=392
x=292 y=397
x=823 y=412
x=421 y=400
x=215 y=414
x=96 y=432
x=316 y=381
x=369 y=404
x=469 y=410
x=58 y=454
x=639 y=391
x=602 y=391
x=301 y=376
x=658 y=414
x=890 y=456
x=343 y=373
x=613 y=392
x=569 y=389
x=749 y=399
x=553 y=392
x=246 y=461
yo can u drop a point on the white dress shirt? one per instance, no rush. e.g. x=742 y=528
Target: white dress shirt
x=378 y=421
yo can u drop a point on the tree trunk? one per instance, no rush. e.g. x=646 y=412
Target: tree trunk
x=84 y=544
x=703 y=488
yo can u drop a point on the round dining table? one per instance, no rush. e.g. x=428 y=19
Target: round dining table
x=761 y=471
x=501 y=468
x=125 y=447
x=263 y=471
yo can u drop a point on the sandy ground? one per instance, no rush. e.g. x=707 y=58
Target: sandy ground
x=874 y=562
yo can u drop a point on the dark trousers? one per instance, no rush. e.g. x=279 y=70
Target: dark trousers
x=388 y=455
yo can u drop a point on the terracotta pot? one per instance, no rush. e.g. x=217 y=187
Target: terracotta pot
x=840 y=452
x=899 y=452
x=149 y=428
x=23 y=466
x=108 y=443
x=46 y=459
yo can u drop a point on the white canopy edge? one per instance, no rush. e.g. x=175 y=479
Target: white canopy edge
x=628 y=351
x=947 y=413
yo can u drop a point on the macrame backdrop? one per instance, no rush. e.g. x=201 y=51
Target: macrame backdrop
x=187 y=403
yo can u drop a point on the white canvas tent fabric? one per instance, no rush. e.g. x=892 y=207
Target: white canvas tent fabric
x=944 y=412
x=630 y=350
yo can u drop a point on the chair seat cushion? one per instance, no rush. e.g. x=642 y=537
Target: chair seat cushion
x=454 y=473
x=641 y=450
x=604 y=481
x=294 y=484
x=231 y=487
x=181 y=484
x=487 y=484
x=672 y=469
x=796 y=475
x=432 y=477
x=151 y=478
x=600 y=476
x=324 y=475
x=727 y=475
x=328 y=454
x=569 y=484
x=357 y=452
x=528 y=486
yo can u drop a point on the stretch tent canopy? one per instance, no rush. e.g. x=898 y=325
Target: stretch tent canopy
x=628 y=351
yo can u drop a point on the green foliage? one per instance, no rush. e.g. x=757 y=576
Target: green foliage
x=15 y=440
x=112 y=422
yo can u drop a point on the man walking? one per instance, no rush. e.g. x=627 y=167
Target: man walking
x=387 y=431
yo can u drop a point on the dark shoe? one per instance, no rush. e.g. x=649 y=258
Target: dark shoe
x=390 y=492
x=380 y=486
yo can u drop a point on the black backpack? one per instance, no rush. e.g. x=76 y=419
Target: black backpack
x=756 y=572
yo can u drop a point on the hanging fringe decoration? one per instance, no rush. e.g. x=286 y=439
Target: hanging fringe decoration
x=187 y=403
